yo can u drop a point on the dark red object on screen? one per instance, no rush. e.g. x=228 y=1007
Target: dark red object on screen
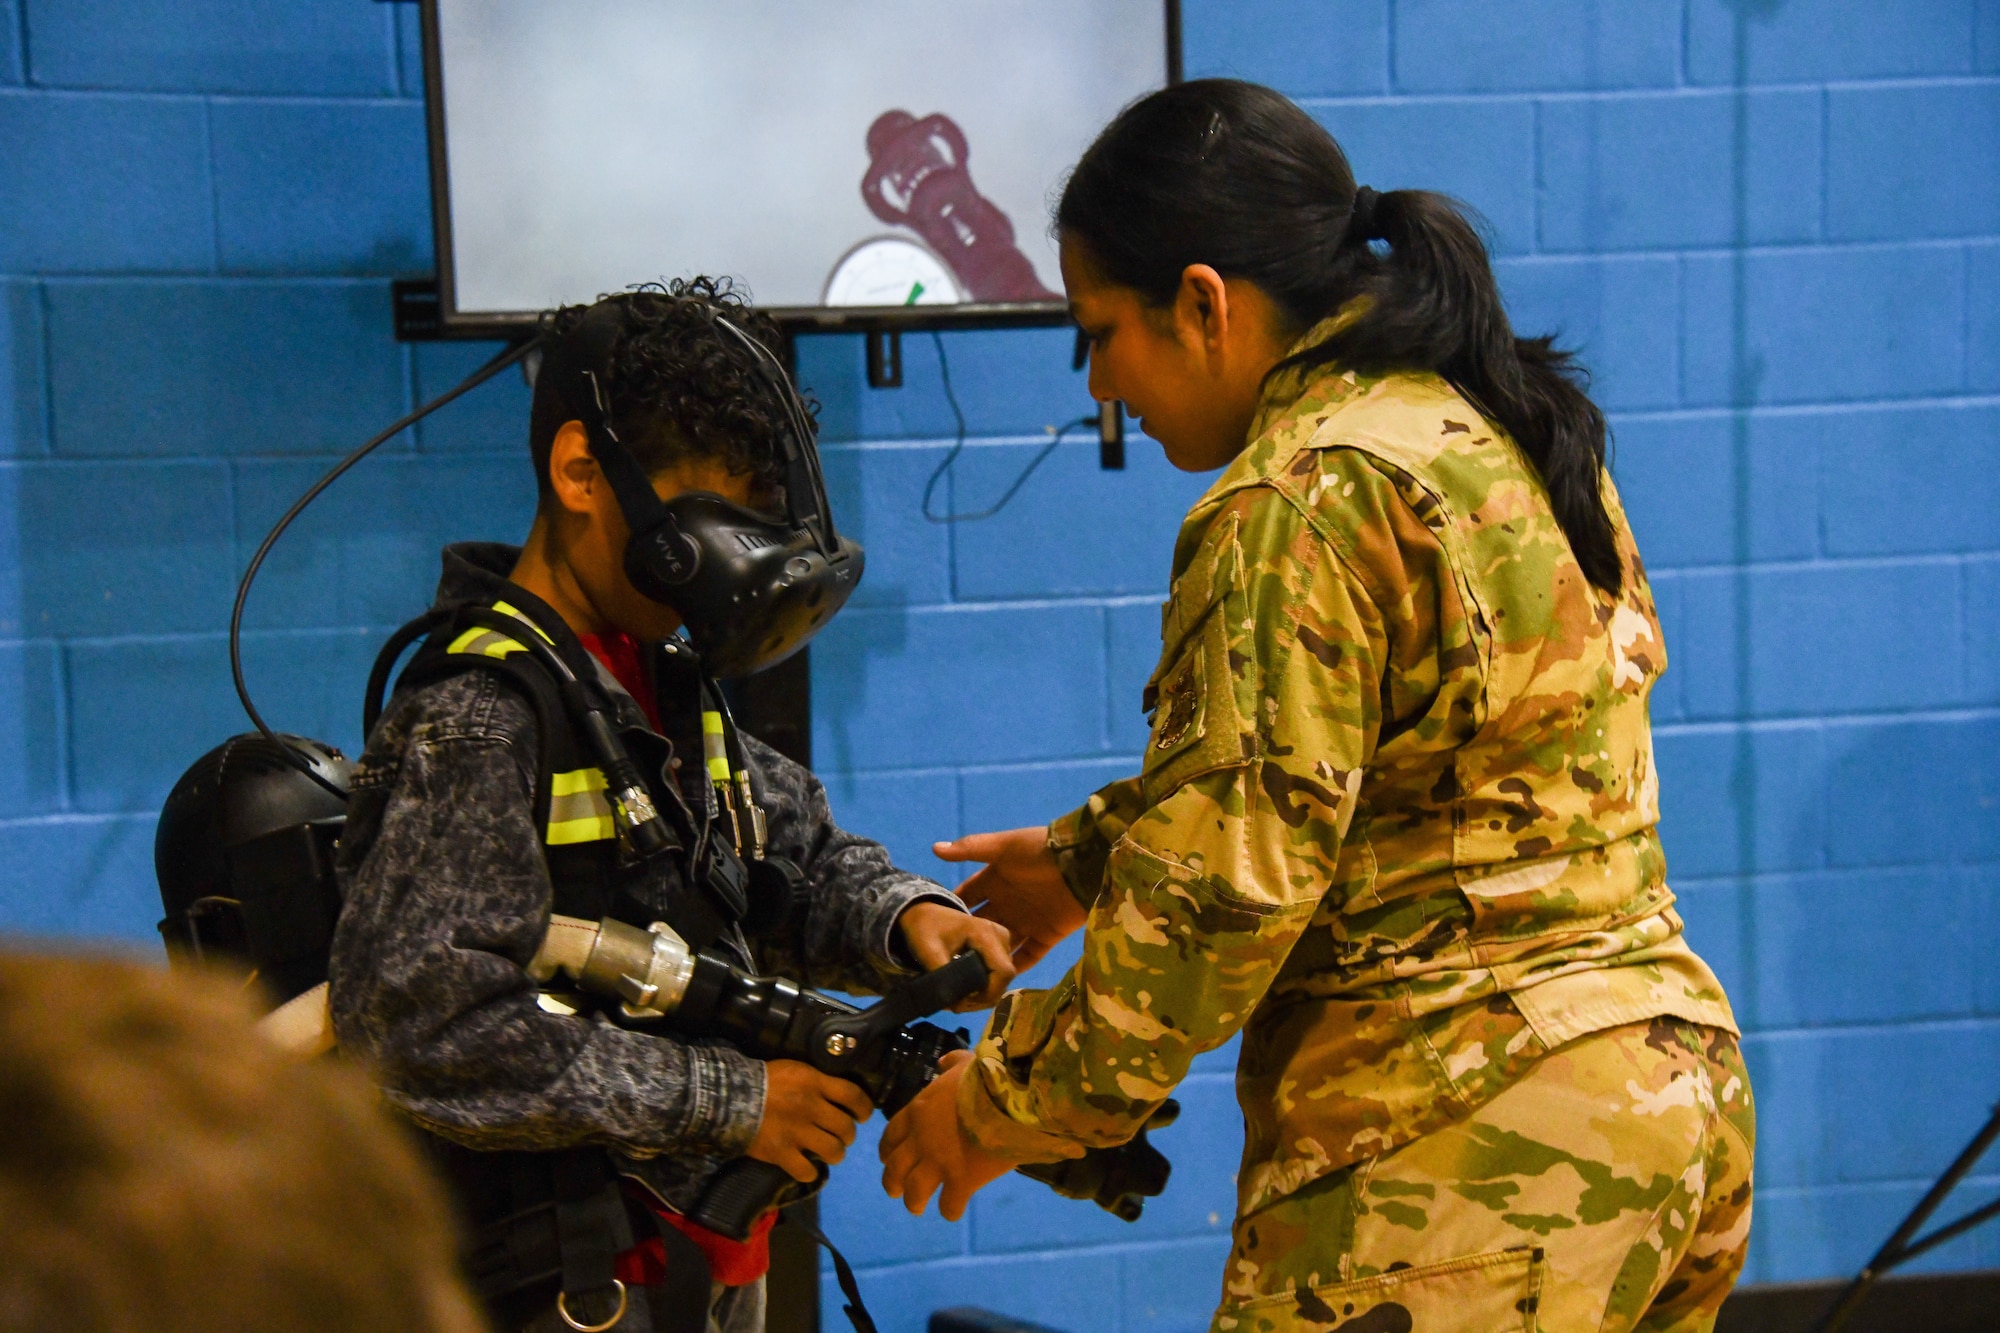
x=917 y=178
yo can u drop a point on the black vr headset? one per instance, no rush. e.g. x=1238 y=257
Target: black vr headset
x=751 y=588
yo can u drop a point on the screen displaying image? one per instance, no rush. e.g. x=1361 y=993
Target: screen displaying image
x=846 y=153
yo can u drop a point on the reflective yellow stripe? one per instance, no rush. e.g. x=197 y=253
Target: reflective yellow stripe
x=714 y=746
x=507 y=610
x=485 y=643
x=578 y=810
x=489 y=643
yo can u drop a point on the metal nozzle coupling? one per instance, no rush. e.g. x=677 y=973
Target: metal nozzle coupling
x=634 y=807
x=648 y=971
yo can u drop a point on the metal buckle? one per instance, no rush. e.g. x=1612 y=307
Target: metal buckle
x=562 y=1308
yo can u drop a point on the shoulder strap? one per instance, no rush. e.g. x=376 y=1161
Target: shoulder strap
x=451 y=649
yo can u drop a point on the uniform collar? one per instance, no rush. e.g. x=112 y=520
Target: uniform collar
x=1289 y=393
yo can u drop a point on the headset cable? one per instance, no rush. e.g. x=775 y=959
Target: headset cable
x=292 y=755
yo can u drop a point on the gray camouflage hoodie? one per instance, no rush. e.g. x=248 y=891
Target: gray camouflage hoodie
x=448 y=896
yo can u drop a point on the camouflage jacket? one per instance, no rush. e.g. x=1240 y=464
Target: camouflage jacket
x=1396 y=819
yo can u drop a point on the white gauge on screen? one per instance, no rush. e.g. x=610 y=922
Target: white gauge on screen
x=891 y=270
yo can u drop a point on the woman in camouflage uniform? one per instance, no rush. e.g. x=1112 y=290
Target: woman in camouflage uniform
x=1396 y=819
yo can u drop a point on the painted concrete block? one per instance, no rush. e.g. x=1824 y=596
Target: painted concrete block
x=1834 y=1106
x=1326 y=51
x=1795 y=326
x=1057 y=1290
x=322 y=187
x=1912 y=790
x=1713 y=488
x=1620 y=316
x=1805 y=1234
x=992 y=799
x=1718 y=930
x=128 y=548
x=874 y=1230
x=1986 y=38
x=1735 y=800
x=1073 y=529
x=1478 y=150
x=11 y=68
x=1895 y=161
x=1822 y=40
x=142 y=711
x=1982 y=307
x=367 y=551
x=1011 y=382
x=1022 y=684
x=1983 y=888
x=1135 y=651
x=1906 y=480
x=1665 y=705
x=87 y=877
x=31 y=730
x=906 y=812
x=877 y=497
x=1982 y=631
x=491 y=419
x=1171 y=1288
x=205 y=367
x=1466 y=46
x=1889 y=945
x=120 y=184
x=1655 y=170
x=215 y=46
x=409 y=51
x=129 y=744
x=23 y=372
x=1805 y=641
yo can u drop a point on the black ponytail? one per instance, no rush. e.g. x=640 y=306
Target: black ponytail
x=1232 y=175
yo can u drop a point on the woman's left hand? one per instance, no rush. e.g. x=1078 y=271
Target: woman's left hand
x=925 y=1147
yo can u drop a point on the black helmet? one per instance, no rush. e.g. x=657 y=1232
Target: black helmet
x=244 y=856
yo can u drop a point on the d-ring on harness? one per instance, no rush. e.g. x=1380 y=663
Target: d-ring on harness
x=562 y=1308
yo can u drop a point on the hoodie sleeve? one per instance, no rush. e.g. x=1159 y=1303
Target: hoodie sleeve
x=447 y=899
x=844 y=935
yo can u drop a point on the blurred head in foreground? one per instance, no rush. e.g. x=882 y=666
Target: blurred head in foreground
x=163 y=1169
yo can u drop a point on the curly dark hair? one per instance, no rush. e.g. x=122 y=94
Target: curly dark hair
x=680 y=388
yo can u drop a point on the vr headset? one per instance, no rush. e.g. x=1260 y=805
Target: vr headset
x=751 y=588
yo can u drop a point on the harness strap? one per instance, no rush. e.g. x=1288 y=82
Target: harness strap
x=592 y=1229
x=843 y=1273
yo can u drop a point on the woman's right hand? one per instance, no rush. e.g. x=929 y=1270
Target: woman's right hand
x=806 y=1112
x=1020 y=887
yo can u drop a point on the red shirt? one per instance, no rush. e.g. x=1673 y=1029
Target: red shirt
x=733 y=1263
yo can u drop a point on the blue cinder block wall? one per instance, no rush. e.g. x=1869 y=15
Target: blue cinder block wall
x=1772 y=226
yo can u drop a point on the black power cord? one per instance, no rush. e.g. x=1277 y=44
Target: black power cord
x=469 y=383
x=958 y=446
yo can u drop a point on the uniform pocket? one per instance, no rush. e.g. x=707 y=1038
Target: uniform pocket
x=1495 y=1292
x=1198 y=725
x=1028 y=1023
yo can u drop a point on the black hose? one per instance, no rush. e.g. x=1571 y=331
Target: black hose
x=469 y=383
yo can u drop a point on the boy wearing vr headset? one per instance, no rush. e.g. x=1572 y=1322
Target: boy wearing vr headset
x=682 y=533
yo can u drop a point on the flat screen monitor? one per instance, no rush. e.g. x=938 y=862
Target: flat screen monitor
x=872 y=163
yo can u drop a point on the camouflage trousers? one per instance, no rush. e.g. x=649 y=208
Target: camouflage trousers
x=1607 y=1190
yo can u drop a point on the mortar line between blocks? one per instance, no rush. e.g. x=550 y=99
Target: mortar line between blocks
x=214 y=186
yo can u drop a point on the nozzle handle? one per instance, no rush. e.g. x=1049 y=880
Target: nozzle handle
x=963 y=976
x=840 y=1041
x=742 y=1191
